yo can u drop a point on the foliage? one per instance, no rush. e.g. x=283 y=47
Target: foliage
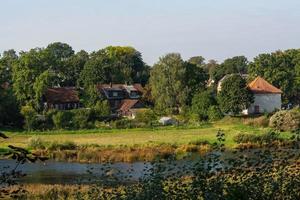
x=234 y=95
x=81 y=118
x=101 y=110
x=62 y=119
x=201 y=103
x=214 y=113
x=265 y=138
x=146 y=116
x=173 y=82
x=280 y=68
x=286 y=120
x=237 y=64
x=30 y=117
x=262 y=121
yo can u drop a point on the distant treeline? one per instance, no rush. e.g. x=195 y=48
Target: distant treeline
x=172 y=85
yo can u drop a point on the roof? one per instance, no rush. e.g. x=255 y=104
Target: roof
x=134 y=87
x=61 y=95
x=260 y=85
x=127 y=104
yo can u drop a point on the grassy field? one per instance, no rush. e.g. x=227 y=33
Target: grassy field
x=140 y=137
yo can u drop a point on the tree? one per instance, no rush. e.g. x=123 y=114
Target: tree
x=167 y=81
x=114 y=65
x=42 y=82
x=29 y=115
x=234 y=96
x=195 y=80
x=281 y=69
x=237 y=64
x=197 y=60
x=9 y=109
x=201 y=103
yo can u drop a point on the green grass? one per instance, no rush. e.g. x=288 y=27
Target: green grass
x=131 y=137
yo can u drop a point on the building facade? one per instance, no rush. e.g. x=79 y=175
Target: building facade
x=267 y=98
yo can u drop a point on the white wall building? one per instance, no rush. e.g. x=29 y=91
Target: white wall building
x=267 y=98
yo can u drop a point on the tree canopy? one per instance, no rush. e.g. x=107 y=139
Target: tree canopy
x=234 y=95
x=174 y=81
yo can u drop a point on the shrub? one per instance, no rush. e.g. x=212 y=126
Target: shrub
x=37 y=143
x=101 y=110
x=262 y=121
x=30 y=117
x=286 y=120
x=214 y=113
x=62 y=119
x=82 y=118
x=258 y=139
x=67 y=145
x=146 y=116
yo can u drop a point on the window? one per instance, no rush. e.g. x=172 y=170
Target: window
x=115 y=94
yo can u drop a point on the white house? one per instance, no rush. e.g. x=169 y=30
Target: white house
x=267 y=98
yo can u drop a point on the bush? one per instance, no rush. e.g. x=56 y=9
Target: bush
x=286 y=120
x=214 y=113
x=262 y=121
x=30 y=116
x=62 y=119
x=37 y=143
x=146 y=116
x=101 y=110
x=123 y=123
x=82 y=118
x=265 y=138
x=67 y=145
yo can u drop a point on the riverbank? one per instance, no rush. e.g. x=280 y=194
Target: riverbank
x=129 y=145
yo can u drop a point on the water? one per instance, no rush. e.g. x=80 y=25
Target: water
x=52 y=172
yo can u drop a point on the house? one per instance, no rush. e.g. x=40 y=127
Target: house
x=267 y=98
x=123 y=99
x=62 y=98
x=130 y=107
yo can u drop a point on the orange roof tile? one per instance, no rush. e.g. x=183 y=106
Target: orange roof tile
x=260 y=85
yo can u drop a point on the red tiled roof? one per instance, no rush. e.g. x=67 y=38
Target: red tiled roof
x=260 y=85
x=127 y=104
x=61 y=95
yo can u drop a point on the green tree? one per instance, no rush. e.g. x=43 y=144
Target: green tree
x=42 y=82
x=114 y=65
x=237 y=64
x=195 y=80
x=167 y=81
x=281 y=69
x=197 y=60
x=234 y=96
x=102 y=109
x=30 y=116
x=201 y=102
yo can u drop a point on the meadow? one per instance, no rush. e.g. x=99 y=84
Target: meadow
x=133 y=137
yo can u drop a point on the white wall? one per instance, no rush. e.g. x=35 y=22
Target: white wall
x=267 y=103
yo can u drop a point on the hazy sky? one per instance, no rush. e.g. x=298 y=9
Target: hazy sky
x=215 y=29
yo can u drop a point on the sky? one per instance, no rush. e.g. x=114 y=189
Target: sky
x=214 y=29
